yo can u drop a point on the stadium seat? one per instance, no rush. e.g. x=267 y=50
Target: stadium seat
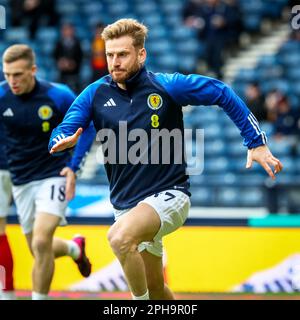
x=228 y=196
x=216 y=165
x=215 y=148
x=117 y=9
x=66 y=8
x=47 y=34
x=267 y=127
x=252 y=22
x=168 y=62
x=293 y=74
x=281 y=147
x=252 y=197
x=202 y=196
x=147 y=7
x=247 y=75
x=16 y=34
x=236 y=149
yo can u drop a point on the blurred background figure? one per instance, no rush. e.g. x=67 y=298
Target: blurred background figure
x=286 y=124
x=98 y=57
x=219 y=26
x=255 y=101
x=32 y=13
x=68 y=56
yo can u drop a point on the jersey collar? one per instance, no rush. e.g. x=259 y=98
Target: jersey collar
x=132 y=82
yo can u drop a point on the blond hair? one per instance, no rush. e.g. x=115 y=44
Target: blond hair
x=18 y=52
x=126 y=27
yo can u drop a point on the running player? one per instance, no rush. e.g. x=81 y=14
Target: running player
x=42 y=184
x=151 y=198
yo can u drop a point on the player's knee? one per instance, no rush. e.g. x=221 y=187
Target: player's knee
x=120 y=242
x=40 y=245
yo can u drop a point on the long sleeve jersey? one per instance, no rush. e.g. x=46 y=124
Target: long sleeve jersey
x=151 y=104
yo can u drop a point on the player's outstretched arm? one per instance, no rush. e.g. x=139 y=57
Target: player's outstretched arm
x=264 y=157
x=77 y=119
x=65 y=143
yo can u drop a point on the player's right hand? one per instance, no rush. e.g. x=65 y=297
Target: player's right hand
x=66 y=143
x=265 y=158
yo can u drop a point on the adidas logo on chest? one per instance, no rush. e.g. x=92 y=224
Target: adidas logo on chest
x=8 y=113
x=110 y=103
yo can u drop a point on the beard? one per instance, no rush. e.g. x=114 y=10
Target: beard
x=125 y=73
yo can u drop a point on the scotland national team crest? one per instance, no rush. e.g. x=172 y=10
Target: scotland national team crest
x=45 y=112
x=155 y=101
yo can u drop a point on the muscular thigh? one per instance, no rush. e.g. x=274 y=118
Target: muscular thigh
x=141 y=222
x=45 y=225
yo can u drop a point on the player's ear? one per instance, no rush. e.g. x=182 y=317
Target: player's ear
x=34 y=69
x=142 y=55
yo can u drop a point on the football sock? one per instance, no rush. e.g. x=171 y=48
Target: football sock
x=73 y=249
x=7 y=295
x=39 y=296
x=145 y=296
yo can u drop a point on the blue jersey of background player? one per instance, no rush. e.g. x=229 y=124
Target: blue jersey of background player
x=27 y=122
x=153 y=196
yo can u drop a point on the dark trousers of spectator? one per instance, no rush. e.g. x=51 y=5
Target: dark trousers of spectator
x=71 y=80
x=214 y=56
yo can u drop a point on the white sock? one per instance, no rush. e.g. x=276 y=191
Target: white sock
x=73 y=249
x=145 y=296
x=39 y=296
x=7 y=295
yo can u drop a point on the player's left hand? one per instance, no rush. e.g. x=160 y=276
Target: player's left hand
x=66 y=143
x=264 y=157
x=70 y=182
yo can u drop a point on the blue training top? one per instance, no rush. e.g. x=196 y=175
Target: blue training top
x=150 y=102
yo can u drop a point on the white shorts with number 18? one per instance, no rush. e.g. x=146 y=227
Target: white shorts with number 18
x=41 y=196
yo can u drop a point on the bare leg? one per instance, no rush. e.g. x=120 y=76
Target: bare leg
x=158 y=290
x=42 y=240
x=59 y=246
x=138 y=225
x=2 y=225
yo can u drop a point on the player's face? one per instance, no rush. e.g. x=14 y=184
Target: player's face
x=123 y=59
x=20 y=76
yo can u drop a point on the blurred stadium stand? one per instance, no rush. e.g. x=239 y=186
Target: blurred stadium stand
x=174 y=47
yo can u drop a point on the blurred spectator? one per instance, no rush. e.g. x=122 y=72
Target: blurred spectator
x=68 y=55
x=32 y=12
x=256 y=101
x=98 y=57
x=287 y=119
x=192 y=14
x=217 y=23
x=271 y=103
x=234 y=25
x=16 y=8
